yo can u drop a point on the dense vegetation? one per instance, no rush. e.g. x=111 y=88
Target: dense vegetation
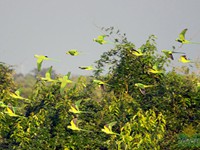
x=137 y=104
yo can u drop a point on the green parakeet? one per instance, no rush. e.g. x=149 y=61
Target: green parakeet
x=169 y=53
x=48 y=76
x=40 y=59
x=73 y=52
x=86 y=67
x=184 y=59
x=16 y=95
x=10 y=112
x=182 y=39
x=100 y=39
x=75 y=108
x=108 y=128
x=137 y=52
x=142 y=87
x=74 y=126
x=99 y=83
x=155 y=70
x=64 y=81
x=2 y=105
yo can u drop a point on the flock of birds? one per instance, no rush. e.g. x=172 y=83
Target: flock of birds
x=74 y=108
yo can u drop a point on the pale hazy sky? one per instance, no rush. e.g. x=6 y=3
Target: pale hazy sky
x=51 y=27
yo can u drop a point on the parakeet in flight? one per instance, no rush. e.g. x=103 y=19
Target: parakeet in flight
x=48 y=76
x=74 y=126
x=99 y=83
x=64 y=81
x=40 y=59
x=170 y=53
x=155 y=70
x=10 y=112
x=142 y=87
x=108 y=128
x=100 y=39
x=86 y=67
x=73 y=52
x=182 y=39
x=184 y=59
x=16 y=95
x=75 y=108
x=137 y=52
x=2 y=105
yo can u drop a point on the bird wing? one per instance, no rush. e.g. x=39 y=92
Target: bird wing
x=39 y=63
x=48 y=73
x=182 y=34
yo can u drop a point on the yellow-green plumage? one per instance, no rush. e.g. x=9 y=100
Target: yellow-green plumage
x=72 y=52
x=64 y=81
x=137 y=52
x=40 y=59
x=184 y=59
x=86 y=67
x=48 y=76
x=182 y=39
x=108 y=128
x=100 y=39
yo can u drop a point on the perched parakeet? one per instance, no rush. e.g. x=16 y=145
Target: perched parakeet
x=108 y=128
x=182 y=39
x=72 y=52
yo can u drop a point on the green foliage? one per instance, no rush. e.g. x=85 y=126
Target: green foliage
x=143 y=131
